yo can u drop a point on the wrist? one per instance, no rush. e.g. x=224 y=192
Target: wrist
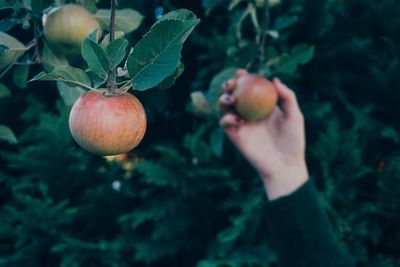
x=285 y=181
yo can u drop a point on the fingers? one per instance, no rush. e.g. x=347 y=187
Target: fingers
x=231 y=124
x=230 y=120
x=241 y=72
x=229 y=85
x=289 y=101
x=275 y=114
x=226 y=102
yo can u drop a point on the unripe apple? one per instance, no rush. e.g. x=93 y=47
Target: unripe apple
x=255 y=96
x=107 y=125
x=66 y=27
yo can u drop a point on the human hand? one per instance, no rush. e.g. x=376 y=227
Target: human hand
x=275 y=146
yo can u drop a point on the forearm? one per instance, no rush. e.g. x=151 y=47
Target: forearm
x=301 y=232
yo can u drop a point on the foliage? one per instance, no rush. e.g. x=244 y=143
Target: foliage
x=154 y=58
x=185 y=197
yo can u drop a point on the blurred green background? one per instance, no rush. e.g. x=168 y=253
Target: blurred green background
x=185 y=197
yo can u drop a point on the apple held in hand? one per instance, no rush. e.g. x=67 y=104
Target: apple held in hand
x=66 y=27
x=255 y=97
x=107 y=125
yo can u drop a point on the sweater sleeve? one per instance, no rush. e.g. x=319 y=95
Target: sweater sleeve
x=301 y=232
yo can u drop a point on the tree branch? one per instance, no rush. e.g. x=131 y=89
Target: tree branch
x=112 y=19
x=112 y=77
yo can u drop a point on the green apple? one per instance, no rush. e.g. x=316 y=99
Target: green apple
x=67 y=26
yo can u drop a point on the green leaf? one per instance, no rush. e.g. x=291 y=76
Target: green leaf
x=39 y=5
x=300 y=54
x=216 y=82
x=95 y=57
x=70 y=75
x=11 y=49
x=8 y=23
x=20 y=76
x=170 y=80
x=126 y=20
x=95 y=79
x=89 y=5
x=6 y=134
x=50 y=60
x=4 y=91
x=210 y=5
x=234 y=4
x=69 y=94
x=391 y=134
x=157 y=55
x=179 y=14
x=283 y=22
x=95 y=36
x=116 y=52
x=217 y=141
x=5 y=4
x=106 y=40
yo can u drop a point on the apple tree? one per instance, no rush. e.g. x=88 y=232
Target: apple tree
x=111 y=66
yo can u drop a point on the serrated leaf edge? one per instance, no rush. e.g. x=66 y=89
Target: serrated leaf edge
x=170 y=43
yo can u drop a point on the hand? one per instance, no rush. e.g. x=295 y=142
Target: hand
x=275 y=146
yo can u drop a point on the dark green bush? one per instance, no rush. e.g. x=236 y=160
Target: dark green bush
x=185 y=197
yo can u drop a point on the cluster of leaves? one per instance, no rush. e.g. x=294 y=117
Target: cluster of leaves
x=192 y=200
x=153 y=61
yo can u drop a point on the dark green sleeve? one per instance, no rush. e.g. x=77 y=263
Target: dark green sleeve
x=301 y=232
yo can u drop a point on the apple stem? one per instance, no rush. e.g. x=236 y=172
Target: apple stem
x=112 y=77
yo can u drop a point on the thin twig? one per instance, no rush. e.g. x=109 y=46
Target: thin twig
x=27 y=63
x=126 y=87
x=264 y=34
x=5 y=71
x=112 y=77
x=112 y=20
x=35 y=31
x=30 y=45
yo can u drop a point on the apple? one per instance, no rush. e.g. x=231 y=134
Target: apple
x=107 y=124
x=67 y=26
x=255 y=97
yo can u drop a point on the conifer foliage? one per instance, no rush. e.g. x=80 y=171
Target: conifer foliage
x=185 y=197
